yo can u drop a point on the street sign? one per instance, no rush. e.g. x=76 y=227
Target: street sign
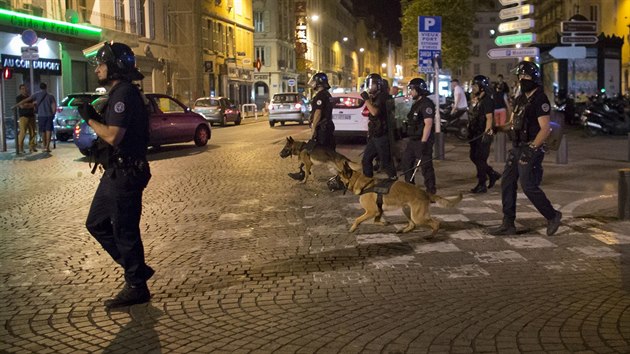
x=29 y=37
x=516 y=25
x=578 y=26
x=30 y=53
x=291 y=82
x=511 y=53
x=429 y=41
x=578 y=39
x=515 y=39
x=568 y=52
x=516 y=11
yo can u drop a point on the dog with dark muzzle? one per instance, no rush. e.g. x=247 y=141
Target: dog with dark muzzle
x=316 y=155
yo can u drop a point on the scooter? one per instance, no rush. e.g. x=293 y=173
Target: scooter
x=452 y=124
x=600 y=118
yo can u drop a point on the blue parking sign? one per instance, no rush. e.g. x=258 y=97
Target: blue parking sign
x=429 y=41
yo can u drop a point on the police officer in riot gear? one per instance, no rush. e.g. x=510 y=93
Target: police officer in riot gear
x=420 y=138
x=378 y=140
x=529 y=128
x=322 y=125
x=123 y=127
x=480 y=121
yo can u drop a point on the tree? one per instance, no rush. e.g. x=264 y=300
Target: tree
x=457 y=24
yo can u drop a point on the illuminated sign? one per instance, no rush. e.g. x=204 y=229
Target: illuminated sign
x=515 y=39
x=43 y=66
x=42 y=24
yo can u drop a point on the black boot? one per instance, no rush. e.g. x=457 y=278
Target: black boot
x=554 y=224
x=298 y=175
x=479 y=188
x=129 y=295
x=506 y=228
x=493 y=178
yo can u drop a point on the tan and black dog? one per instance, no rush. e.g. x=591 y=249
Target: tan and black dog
x=400 y=194
x=318 y=156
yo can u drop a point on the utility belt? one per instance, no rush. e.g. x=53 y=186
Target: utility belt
x=129 y=162
x=520 y=145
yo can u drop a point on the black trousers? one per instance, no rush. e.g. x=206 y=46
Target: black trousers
x=114 y=220
x=413 y=151
x=530 y=175
x=479 y=153
x=377 y=147
x=325 y=136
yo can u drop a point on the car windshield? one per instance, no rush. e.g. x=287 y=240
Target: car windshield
x=348 y=102
x=77 y=100
x=286 y=98
x=207 y=103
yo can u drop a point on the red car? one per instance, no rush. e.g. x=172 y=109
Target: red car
x=170 y=122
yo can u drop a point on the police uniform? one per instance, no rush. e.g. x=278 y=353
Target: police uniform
x=421 y=109
x=378 y=139
x=114 y=216
x=479 y=147
x=524 y=130
x=325 y=129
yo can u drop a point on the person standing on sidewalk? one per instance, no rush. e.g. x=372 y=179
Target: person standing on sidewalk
x=46 y=105
x=529 y=128
x=481 y=121
x=420 y=135
x=114 y=216
x=460 y=104
x=26 y=120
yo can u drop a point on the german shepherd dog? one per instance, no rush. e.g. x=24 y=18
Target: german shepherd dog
x=318 y=156
x=401 y=194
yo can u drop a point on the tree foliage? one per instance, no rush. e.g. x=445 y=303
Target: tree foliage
x=457 y=25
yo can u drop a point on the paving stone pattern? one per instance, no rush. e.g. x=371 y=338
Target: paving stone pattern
x=247 y=260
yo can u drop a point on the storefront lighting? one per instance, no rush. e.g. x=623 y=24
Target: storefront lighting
x=12 y=18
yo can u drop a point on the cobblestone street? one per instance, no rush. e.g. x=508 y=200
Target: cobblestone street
x=248 y=260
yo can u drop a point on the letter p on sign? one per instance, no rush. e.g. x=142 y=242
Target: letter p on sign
x=428 y=23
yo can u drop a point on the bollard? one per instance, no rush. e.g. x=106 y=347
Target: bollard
x=499 y=147
x=562 y=155
x=624 y=194
x=439 y=146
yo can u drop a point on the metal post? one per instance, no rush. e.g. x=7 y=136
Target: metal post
x=624 y=194
x=3 y=127
x=499 y=147
x=437 y=121
x=628 y=146
x=562 y=155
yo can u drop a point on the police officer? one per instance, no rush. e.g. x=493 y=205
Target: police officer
x=322 y=125
x=114 y=216
x=529 y=128
x=481 y=119
x=378 y=140
x=420 y=136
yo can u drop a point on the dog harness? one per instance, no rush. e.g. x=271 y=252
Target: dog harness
x=381 y=188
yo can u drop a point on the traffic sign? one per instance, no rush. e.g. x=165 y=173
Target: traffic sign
x=511 y=53
x=515 y=39
x=516 y=11
x=29 y=37
x=578 y=39
x=516 y=25
x=291 y=82
x=568 y=52
x=578 y=26
x=429 y=41
x=30 y=53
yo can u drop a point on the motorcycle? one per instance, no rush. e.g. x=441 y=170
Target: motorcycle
x=606 y=116
x=453 y=124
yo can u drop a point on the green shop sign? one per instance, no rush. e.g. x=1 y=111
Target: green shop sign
x=41 y=24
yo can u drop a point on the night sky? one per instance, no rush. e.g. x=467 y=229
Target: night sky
x=386 y=12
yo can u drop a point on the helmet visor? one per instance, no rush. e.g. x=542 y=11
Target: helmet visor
x=99 y=53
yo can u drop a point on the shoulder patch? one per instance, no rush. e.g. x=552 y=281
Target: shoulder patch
x=119 y=107
x=428 y=110
x=545 y=107
x=319 y=102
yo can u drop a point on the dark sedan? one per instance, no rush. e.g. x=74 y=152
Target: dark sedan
x=170 y=122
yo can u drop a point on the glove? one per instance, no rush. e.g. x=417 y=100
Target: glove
x=88 y=112
x=424 y=145
x=526 y=155
x=365 y=96
x=310 y=145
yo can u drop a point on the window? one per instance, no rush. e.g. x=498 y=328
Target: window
x=594 y=13
x=151 y=19
x=476 y=69
x=475 y=50
x=260 y=54
x=141 y=20
x=221 y=38
x=132 y=15
x=493 y=68
x=167 y=105
x=119 y=13
x=259 y=22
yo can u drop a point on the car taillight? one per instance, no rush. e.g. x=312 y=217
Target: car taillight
x=298 y=105
x=59 y=109
x=228 y=111
x=366 y=112
x=77 y=128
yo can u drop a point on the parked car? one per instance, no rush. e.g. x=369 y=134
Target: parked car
x=288 y=107
x=170 y=122
x=67 y=114
x=217 y=110
x=350 y=114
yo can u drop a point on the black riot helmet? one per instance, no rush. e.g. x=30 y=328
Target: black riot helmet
x=419 y=85
x=319 y=79
x=373 y=83
x=529 y=68
x=482 y=82
x=120 y=61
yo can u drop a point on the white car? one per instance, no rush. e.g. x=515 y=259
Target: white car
x=350 y=114
x=288 y=107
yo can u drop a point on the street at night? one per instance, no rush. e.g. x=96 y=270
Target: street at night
x=249 y=260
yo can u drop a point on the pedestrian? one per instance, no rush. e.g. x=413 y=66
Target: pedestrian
x=503 y=86
x=530 y=128
x=502 y=107
x=45 y=105
x=378 y=139
x=114 y=216
x=420 y=138
x=322 y=125
x=460 y=104
x=26 y=120
x=481 y=121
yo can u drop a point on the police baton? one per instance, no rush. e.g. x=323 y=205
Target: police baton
x=415 y=169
